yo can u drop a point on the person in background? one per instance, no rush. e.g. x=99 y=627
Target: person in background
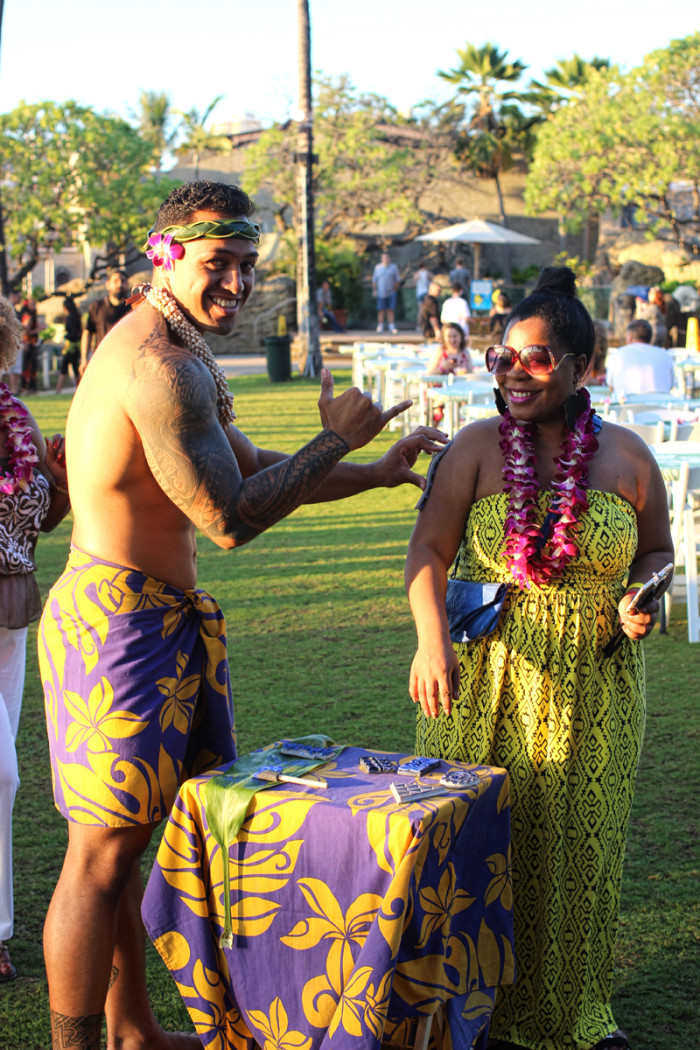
x=70 y=357
x=429 y=313
x=498 y=316
x=452 y=355
x=103 y=314
x=659 y=327
x=638 y=367
x=385 y=283
x=676 y=323
x=33 y=498
x=30 y=345
x=324 y=303
x=571 y=513
x=460 y=275
x=652 y=308
x=421 y=280
x=596 y=372
x=455 y=310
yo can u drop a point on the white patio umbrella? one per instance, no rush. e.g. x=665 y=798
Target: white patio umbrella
x=478 y=232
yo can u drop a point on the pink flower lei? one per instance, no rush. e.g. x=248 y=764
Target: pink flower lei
x=533 y=556
x=19 y=443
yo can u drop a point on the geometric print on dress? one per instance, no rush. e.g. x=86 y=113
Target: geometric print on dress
x=538 y=698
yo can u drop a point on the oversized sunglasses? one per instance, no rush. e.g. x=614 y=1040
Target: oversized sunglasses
x=535 y=360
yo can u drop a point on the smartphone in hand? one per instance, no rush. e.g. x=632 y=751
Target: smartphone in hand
x=642 y=597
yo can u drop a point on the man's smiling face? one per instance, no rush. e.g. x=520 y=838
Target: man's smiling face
x=214 y=277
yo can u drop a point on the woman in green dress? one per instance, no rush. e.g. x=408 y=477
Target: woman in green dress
x=572 y=514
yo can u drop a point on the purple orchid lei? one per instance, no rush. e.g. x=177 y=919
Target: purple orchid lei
x=528 y=559
x=22 y=454
x=162 y=251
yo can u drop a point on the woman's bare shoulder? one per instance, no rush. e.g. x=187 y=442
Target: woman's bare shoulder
x=624 y=465
x=480 y=433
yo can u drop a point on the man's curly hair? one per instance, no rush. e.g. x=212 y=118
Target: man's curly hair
x=10 y=335
x=203 y=195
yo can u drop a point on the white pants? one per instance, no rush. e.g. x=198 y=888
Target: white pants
x=13 y=653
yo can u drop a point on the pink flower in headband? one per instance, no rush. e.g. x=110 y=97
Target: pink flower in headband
x=162 y=251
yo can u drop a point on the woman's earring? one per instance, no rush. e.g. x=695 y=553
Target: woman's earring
x=500 y=403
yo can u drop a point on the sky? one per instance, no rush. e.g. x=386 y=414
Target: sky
x=103 y=54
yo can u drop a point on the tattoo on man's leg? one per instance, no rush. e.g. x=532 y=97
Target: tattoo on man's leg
x=75 y=1033
x=113 y=976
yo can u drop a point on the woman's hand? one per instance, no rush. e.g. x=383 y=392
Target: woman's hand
x=434 y=680
x=638 y=623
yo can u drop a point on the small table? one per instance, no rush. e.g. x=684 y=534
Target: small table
x=354 y=915
x=476 y=394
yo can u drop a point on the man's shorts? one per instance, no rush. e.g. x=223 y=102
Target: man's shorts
x=136 y=689
x=386 y=302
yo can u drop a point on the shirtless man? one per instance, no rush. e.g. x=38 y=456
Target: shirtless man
x=149 y=462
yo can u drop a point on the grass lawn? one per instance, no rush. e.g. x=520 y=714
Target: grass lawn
x=321 y=639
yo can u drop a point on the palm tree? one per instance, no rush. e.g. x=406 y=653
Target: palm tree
x=155 y=120
x=564 y=80
x=307 y=316
x=197 y=139
x=496 y=125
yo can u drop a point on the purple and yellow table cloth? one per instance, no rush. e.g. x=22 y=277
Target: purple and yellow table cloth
x=352 y=914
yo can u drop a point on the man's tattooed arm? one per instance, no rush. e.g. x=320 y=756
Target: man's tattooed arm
x=173 y=407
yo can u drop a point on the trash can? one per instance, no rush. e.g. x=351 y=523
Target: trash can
x=279 y=358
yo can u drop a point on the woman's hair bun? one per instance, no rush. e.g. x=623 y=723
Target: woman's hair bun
x=560 y=280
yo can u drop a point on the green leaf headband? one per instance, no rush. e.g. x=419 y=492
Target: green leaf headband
x=250 y=231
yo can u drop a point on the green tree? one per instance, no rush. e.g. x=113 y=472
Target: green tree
x=496 y=126
x=71 y=176
x=372 y=166
x=197 y=139
x=627 y=139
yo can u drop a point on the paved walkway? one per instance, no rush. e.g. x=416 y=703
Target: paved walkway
x=242 y=364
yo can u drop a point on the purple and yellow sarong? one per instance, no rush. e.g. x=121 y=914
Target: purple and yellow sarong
x=136 y=689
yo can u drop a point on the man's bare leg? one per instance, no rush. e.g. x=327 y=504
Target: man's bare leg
x=128 y=1011
x=80 y=939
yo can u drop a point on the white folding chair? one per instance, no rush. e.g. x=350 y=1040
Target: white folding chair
x=684 y=495
x=650 y=433
x=683 y=431
x=691 y=551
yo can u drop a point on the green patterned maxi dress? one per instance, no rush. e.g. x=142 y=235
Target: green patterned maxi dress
x=538 y=698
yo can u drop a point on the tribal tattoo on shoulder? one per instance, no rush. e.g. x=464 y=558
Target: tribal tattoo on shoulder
x=174 y=399
x=75 y=1033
